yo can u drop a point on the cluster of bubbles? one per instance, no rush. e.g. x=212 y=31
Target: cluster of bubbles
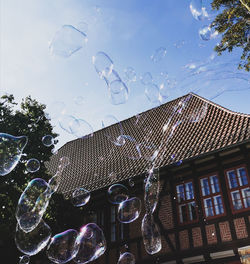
x=117 y=88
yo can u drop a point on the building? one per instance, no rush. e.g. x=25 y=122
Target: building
x=204 y=205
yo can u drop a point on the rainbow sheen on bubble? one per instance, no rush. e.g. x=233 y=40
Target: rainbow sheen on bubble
x=48 y=140
x=129 y=210
x=80 y=197
x=117 y=193
x=32 y=165
x=91 y=243
x=62 y=247
x=33 y=242
x=11 y=149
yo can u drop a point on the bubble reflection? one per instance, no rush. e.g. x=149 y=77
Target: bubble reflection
x=48 y=140
x=129 y=210
x=80 y=197
x=117 y=193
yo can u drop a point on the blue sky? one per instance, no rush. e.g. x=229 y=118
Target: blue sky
x=129 y=32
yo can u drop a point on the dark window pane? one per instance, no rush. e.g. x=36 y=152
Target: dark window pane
x=180 y=193
x=242 y=176
x=205 y=186
x=192 y=211
x=183 y=213
x=232 y=179
x=214 y=184
x=236 y=200
x=189 y=191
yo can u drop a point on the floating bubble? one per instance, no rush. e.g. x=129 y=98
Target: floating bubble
x=207 y=33
x=62 y=247
x=32 y=204
x=118 y=92
x=126 y=258
x=131 y=183
x=148 y=151
x=152 y=93
x=117 y=193
x=32 y=165
x=103 y=64
x=67 y=41
x=48 y=140
x=151 y=235
x=113 y=76
x=91 y=243
x=64 y=162
x=198 y=114
x=24 y=259
x=11 y=149
x=129 y=210
x=69 y=124
x=151 y=190
x=159 y=54
x=197 y=10
x=56 y=109
x=83 y=27
x=80 y=197
x=130 y=74
x=82 y=129
x=33 y=242
x=146 y=78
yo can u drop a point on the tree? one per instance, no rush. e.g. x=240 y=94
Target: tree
x=234 y=24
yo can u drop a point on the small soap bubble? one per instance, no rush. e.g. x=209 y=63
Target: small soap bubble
x=131 y=183
x=64 y=162
x=24 y=259
x=129 y=210
x=91 y=243
x=146 y=78
x=159 y=54
x=152 y=93
x=48 y=140
x=67 y=41
x=103 y=64
x=151 y=235
x=62 y=247
x=118 y=92
x=11 y=149
x=117 y=193
x=83 y=129
x=207 y=33
x=130 y=74
x=33 y=242
x=80 y=197
x=32 y=165
x=69 y=123
x=126 y=258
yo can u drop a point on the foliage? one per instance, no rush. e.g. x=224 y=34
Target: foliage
x=233 y=22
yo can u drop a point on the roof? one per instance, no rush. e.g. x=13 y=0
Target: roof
x=96 y=162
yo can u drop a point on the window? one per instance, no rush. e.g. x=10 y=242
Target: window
x=211 y=196
x=117 y=229
x=239 y=188
x=186 y=203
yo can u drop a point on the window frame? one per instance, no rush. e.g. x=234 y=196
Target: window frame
x=211 y=196
x=239 y=188
x=186 y=202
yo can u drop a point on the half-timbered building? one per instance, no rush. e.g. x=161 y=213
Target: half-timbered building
x=204 y=205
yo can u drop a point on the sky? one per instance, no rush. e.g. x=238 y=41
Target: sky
x=129 y=32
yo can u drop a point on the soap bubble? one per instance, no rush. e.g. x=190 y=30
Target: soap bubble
x=24 y=259
x=103 y=64
x=82 y=129
x=159 y=54
x=151 y=235
x=32 y=165
x=130 y=74
x=146 y=78
x=152 y=93
x=117 y=193
x=68 y=123
x=48 y=140
x=198 y=114
x=152 y=188
x=80 y=197
x=91 y=243
x=64 y=162
x=33 y=242
x=118 y=92
x=32 y=204
x=62 y=247
x=113 y=76
x=131 y=183
x=129 y=210
x=197 y=10
x=11 y=151
x=207 y=33
x=67 y=41
x=126 y=258
x=83 y=27
x=148 y=151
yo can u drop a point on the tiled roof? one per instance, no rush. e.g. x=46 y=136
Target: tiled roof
x=96 y=162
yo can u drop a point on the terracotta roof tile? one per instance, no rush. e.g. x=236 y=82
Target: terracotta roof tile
x=96 y=162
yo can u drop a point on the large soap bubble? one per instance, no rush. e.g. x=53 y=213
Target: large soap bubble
x=197 y=10
x=80 y=197
x=151 y=235
x=67 y=41
x=33 y=242
x=117 y=193
x=32 y=204
x=126 y=258
x=62 y=247
x=118 y=92
x=91 y=243
x=129 y=210
x=103 y=64
x=11 y=151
